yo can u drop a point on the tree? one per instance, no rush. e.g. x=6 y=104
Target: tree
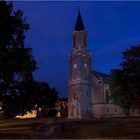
x=45 y=99
x=16 y=61
x=19 y=92
x=125 y=82
x=131 y=73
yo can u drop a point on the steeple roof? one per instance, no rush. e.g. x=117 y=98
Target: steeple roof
x=79 y=26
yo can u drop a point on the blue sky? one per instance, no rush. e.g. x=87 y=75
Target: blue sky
x=112 y=27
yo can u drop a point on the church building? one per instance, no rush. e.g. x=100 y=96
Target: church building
x=88 y=90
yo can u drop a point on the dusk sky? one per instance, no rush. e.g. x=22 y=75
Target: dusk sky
x=112 y=27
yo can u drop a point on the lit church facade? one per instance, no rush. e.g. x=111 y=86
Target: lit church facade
x=88 y=90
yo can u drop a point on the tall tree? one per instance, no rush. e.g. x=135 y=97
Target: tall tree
x=19 y=93
x=125 y=82
x=16 y=61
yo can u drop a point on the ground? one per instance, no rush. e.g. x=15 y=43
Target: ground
x=24 y=128
x=64 y=129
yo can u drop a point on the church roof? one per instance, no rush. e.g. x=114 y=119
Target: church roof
x=79 y=26
x=100 y=74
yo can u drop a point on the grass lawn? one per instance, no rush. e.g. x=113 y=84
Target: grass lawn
x=67 y=129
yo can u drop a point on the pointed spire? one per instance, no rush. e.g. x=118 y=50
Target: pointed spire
x=79 y=26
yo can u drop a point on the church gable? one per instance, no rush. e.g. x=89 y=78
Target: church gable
x=101 y=76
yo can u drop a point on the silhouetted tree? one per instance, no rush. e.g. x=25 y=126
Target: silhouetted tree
x=19 y=92
x=16 y=61
x=125 y=82
x=46 y=99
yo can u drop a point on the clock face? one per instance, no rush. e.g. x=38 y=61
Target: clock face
x=75 y=65
x=85 y=65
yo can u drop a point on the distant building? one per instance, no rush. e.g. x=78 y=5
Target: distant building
x=88 y=90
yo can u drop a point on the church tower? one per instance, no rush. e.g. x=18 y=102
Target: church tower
x=79 y=88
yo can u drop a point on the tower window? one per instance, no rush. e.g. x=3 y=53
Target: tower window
x=85 y=65
x=75 y=65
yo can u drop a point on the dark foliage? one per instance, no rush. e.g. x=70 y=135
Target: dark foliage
x=19 y=92
x=45 y=100
x=125 y=82
x=16 y=61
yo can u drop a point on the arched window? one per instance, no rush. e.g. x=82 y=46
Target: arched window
x=107 y=95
